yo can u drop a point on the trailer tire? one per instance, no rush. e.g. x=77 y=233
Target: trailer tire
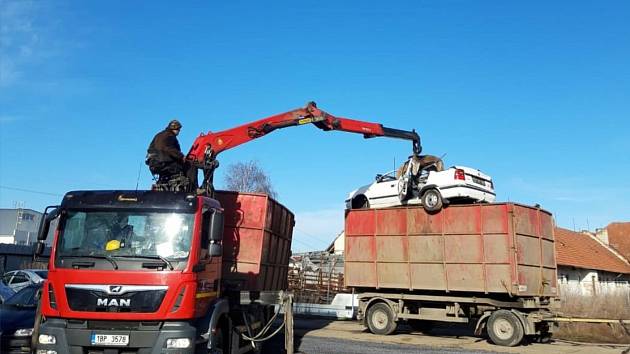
x=505 y=329
x=432 y=200
x=380 y=319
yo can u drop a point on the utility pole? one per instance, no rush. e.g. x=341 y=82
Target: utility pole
x=19 y=206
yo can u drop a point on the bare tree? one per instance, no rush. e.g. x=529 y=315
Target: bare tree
x=248 y=177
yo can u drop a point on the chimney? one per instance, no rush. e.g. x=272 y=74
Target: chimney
x=602 y=235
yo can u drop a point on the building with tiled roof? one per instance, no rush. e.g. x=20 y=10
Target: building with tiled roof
x=617 y=236
x=584 y=258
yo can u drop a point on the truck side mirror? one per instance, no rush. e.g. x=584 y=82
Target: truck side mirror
x=216 y=250
x=40 y=246
x=44 y=224
x=216 y=226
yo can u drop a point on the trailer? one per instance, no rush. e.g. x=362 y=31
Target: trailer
x=492 y=265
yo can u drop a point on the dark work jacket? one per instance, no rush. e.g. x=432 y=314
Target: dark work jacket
x=166 y=147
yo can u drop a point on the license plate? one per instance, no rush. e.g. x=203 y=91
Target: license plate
x=479 y=181
x=110 y=339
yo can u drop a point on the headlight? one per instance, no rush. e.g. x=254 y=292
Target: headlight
x=24 y=332
x=46 y=339
x=179 y=343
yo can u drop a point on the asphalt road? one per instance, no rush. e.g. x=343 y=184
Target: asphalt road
x=321 y=345
x=316 y=335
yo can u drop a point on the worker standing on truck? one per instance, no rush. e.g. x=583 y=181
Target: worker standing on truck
x=165 y=157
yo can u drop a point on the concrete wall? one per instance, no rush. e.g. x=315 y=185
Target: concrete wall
x=14 y=257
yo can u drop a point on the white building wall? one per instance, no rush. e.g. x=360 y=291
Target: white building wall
x=591 y=281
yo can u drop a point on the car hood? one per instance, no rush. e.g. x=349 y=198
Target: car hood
x=13 y=318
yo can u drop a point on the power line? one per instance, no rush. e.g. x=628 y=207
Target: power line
x=311 y=235
x=30 y=191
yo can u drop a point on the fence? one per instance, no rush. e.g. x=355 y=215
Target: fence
x=316 y=277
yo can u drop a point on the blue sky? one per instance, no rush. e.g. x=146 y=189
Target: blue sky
x=536 y=94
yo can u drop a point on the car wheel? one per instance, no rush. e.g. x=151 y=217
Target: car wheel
x=432 y=200
x=360 y=202
x=505 y=329
x=380 y=319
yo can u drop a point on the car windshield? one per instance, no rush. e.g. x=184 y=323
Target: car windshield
x=42 y=273
x=125 y=234
x=389 y=176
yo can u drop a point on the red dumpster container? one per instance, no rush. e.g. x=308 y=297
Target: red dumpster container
x=487 y=248
x=256 y=241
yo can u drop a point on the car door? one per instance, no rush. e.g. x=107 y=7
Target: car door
x=384 y=192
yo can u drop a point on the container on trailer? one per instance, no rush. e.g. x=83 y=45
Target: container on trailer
x=487 y=248
x=256 y=241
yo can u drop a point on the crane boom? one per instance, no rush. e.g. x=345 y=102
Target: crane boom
x=206 y=147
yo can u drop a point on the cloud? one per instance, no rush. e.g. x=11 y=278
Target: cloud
x=20 y=39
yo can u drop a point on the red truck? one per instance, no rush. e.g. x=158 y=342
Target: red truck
x=165 y=271
x=492 y=265
x=162 y=272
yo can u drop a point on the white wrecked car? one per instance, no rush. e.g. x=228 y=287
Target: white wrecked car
x=427 y=184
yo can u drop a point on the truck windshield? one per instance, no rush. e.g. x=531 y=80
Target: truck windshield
x=125 y=234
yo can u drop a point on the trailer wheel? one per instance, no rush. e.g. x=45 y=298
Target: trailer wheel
x=380 y=319
x=505 y=329
x=432 y=200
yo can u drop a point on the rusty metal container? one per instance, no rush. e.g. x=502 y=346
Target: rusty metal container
x=256 y=241
x=485 y=248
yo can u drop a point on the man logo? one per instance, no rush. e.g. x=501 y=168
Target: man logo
x=115 y=289
x=113 y=302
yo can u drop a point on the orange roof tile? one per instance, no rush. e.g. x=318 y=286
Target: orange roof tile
x=582 y=251
x=619 y=237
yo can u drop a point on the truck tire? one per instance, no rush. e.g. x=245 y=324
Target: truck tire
x=432 y=200
x=380 y=319
x=505 y=329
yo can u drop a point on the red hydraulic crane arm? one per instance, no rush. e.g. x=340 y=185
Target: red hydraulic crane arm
x=207 y=146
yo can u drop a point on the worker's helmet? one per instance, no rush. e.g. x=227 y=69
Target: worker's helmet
x=174 y=125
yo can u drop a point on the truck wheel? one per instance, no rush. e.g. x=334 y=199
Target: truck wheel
x=380 y=319
x=505 y=329
x=432 y=200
